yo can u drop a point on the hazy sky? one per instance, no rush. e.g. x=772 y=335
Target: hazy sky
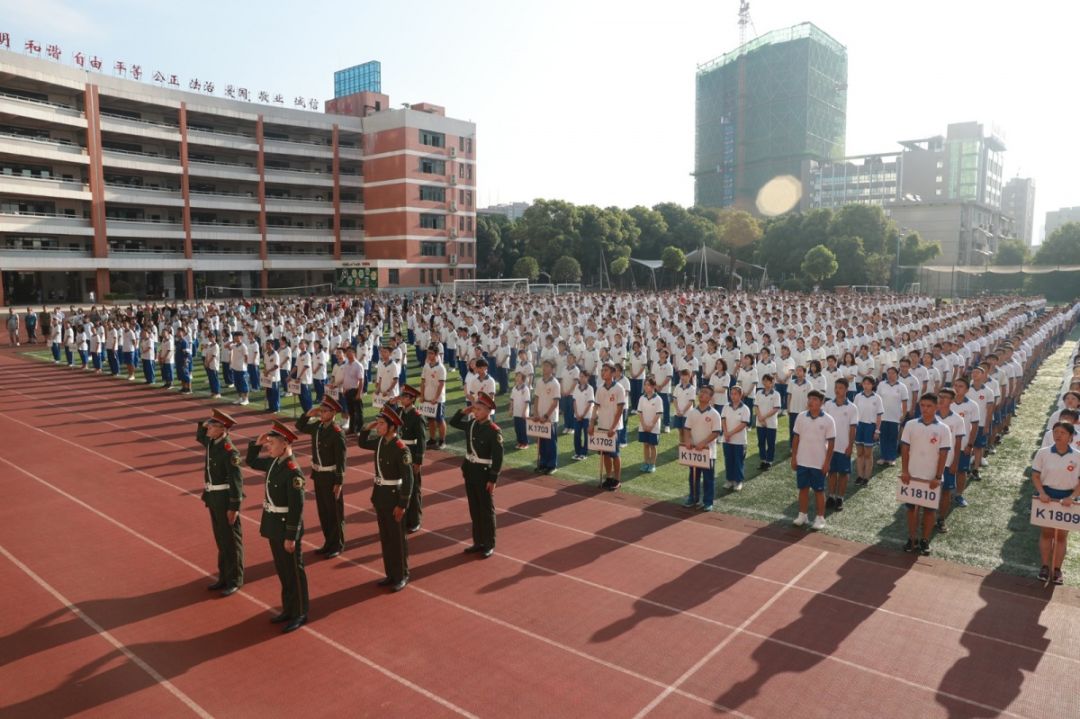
x=594 y=101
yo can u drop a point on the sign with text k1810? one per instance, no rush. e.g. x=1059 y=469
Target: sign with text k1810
x=919 y=493
x=1054 y=516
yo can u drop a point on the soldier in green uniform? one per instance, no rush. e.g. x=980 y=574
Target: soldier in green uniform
x=414 y=434
x=483 y=460
x=283 y=520
x=327 y=472
x=390 y=495
x=223 y=490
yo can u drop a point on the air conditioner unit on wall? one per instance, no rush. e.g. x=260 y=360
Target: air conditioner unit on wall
x=453 y=152
x=453 y=179
x=453 y=207
x=453 y=260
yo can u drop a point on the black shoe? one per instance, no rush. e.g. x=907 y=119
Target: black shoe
x=487 y=552
x=611 y=484
x=399 y=585
x=216 y=586
x=384 y=582
x=838 y=505
x=538 y=469
x=941 y=528
x=230 y=590
x=332 y=553
x=279 y=618
x=413 y=530
x=295 y=624
x=830 y=502
x=924 y=547
x=1044 y=573
x=1059 y=579
x=322 y=550
x=761 y=466
x=909 y=546
x=473 y=549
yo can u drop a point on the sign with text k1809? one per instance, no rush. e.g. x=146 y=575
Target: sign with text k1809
x=600 y=442
x=1054 y=516
x=537 y=429
x=919 y=493
x=694 y=457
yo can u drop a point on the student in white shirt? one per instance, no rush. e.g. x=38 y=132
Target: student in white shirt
x=622 y=381
x=581 y=405
x=520 y=399
x=212 y=363
x=868 y=432
x=767 y=408
x=433 y=389
x=924 y=450
x=546 y=400
x=811 y=457
x=846 y=420
x=650 y=410
x=639 y=364
x=733 y=423
x=302 y=371
x=748 y=382
x=662 y=372
x=798 y=391
x=700 y=433
x=720 y=382
x=320 y=359
x=608 y=417
x=958 y=427
x=272 y=379
x=682 y=396
x=1055 y=472
x=895 y=400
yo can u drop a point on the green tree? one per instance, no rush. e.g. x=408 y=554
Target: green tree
x=652 y=230
x=851 y=261
x=527 y=267
x=548 y=230
x=867 y=222
x=674 y=260
x=1062 y=247
x=618 y=267
x=819 y=263
x=1010 y=253
x=566 y=269
x=490 y=248
x=913 y=253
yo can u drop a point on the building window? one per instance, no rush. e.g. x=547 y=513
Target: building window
x=432 y=194
x=432 y=222
x=468 y=144
x=461 y=223
x=461 y=144
x=392 y=277
x=468 y=224
x=432 y=249
x=432 y=139
x=461 y=196
x=432 y=167
x=423 y=276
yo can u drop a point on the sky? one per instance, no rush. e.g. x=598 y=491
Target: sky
x=593 y=101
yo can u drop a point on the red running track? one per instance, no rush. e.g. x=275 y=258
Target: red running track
x=595 y=604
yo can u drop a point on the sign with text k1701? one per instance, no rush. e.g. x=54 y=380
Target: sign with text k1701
x=694 y=457
x=600 y=442
x=537 y=428
x=918 y=492
x=1054 y=516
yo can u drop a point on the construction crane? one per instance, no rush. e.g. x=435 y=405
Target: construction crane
x=744 y=21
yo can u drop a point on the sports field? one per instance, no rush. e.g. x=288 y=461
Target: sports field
x=992 y=533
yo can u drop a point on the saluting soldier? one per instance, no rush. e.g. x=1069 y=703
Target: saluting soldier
x=414 y=434
x=327 y=472
x=390 y=495
x=283 y=520
x=222 y=492
x=483 y=460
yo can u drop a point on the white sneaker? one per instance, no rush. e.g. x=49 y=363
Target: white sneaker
x=131 y=379
x=738 y=487
x=215 y=396
x=801 y=520
x=819 y=522
x=243 y=403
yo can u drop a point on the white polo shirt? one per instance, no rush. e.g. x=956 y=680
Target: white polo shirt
x=958 y=427
x=548 y=394
x=432 y=376
x=681 y=396
x=608 y=399
x=520 y=397
x=1057 y=471
x=765 y=402
x=649 y=411
x=925 y=443
x=814 y=435
x=893 y=397
x=704 y=426
x=732 y=416
x=844 y=416
x=870 y=407
x=583 y=400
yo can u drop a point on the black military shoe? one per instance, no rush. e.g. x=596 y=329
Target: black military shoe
x=295 y=624
x=487 y=552
x=473 y=549
x=332 y=553
x=399 y=585
x=322 y=550
x=413 y=530
x=384 y=582
x=219 y=584
x=279 y=618
x=229 y=590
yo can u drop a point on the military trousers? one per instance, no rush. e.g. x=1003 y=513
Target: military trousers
x=230 y=545
x=331 y=511
x=290 y=570
x=481 y=507
x=395 y=550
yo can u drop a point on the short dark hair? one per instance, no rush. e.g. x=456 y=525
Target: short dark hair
x=815 y=393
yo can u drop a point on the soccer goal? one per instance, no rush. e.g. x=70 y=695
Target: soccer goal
x=565 y=288
x=218 y=292
x=541 y=288
x=871 y=289
x=517 y=285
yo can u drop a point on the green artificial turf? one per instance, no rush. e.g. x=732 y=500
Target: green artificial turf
x=993 y=532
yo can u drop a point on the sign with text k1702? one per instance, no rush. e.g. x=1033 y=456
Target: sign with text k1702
x=694 y=457
x=918 y=492
x=1054 y=516
x=600 y=442
x=537 y=428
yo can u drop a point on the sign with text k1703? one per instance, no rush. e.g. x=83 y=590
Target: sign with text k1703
x=537 y=428
x=694 y=457
x=600 y=442
x=1054 y=516
x=918 y=492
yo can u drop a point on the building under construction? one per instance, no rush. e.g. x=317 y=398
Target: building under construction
x=768 y=108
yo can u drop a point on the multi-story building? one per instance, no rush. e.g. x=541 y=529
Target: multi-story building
x=863 y=180
x=968 y=232
x=115 y=186
x=1059 y=217
x=1018 y=202
x=768 y=108
x=965 y=164
x=509 y=210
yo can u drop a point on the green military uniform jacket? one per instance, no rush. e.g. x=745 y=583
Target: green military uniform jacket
x=284 y=491
x=327 y=446
x=484 y=442
x=413 y=433
x=222 y=467
x=392 y=462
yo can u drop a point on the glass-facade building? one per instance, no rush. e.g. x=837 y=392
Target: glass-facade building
x=768 y=108
x=366 y=77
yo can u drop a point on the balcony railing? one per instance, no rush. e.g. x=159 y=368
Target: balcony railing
x=113 y=116
x=35 y=101
x=42 y=140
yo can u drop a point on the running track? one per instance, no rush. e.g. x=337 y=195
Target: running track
x=594 y=605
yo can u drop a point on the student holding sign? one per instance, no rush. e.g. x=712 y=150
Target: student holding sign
x=433 y=391
x=924 y=451
x=607 y=421
x=1055 y=471
x=699 y=435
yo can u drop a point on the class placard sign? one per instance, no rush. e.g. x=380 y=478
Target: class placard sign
x=1054 y=516
x=334 y=392
x=378 y=401
x=268 y=379
x=294 y=386
x=538 y=429
x=600 y=442
x=918 y=493
x=690 y=457
x=428 y=409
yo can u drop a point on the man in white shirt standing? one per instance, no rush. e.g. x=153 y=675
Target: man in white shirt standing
x=924 y=450
x=700 y=433
x=846 y=418
x=433 y=389
x=302 y=371
x=607 y=419
x=238 y=363
x=352 y=389
x=547 y=399
x=811 y=457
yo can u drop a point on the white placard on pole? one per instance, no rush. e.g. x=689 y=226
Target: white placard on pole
x=429 y=409
x=268 y=379
x=334 y=392
x=694 y=457
x=918 y=492
x=537 y=429
x=1054 y=516
x=294 y=386
x=600 y=442
x=377 y=401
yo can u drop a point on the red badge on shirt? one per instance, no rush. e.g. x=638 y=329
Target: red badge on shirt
x=933 y=440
